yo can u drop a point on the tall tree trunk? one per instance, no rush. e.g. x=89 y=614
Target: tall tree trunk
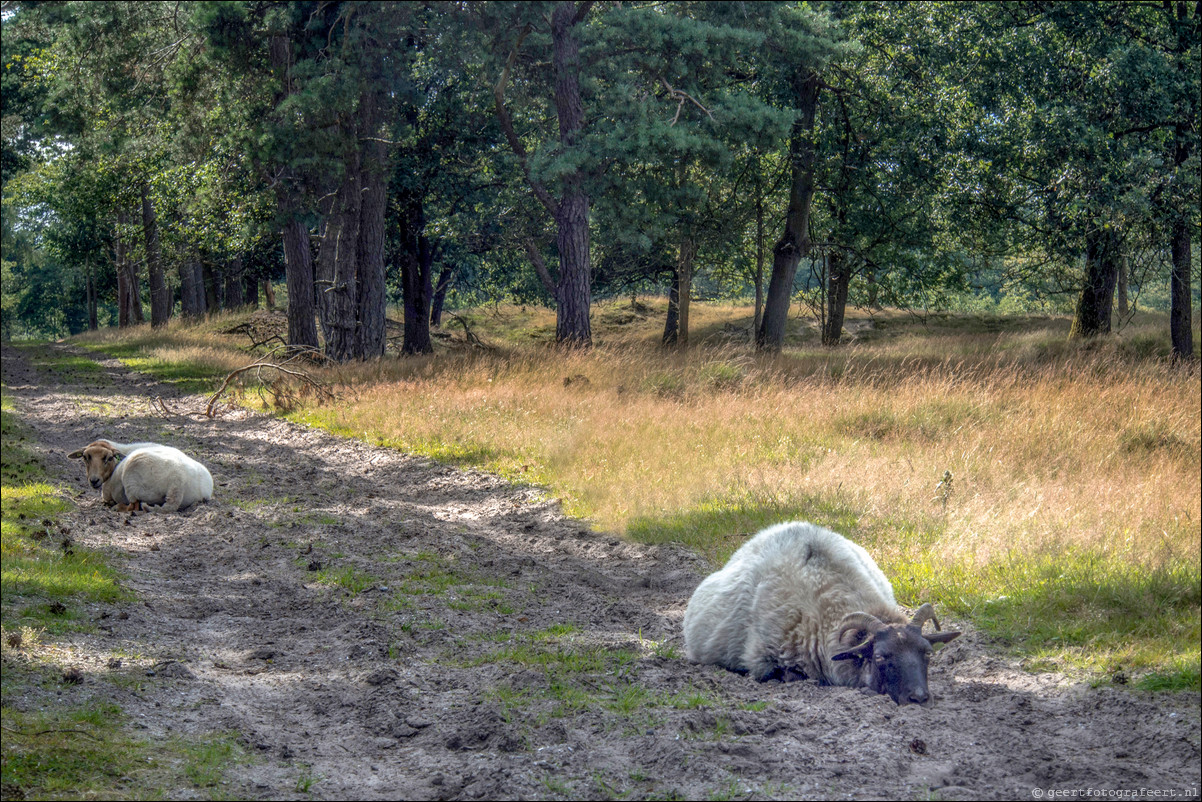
x=298 y=260
x=372 y=299
x=446 y=277
x=572 y=324
x=160 y=293
x=187 y=288
x=133 y=282
x=200 y=301
x=417 y=263
x=269 y=294
x=124 y=307
x=250 y=291
x=1181 y=326
x=233 y=284
x=298 y=256
x=337 y=269
x=672 y=320
x=684 y=278
x=1124 y=277
x=93 y=317
x=837 y=282
x=1096 y=302
x=212 y=285
x=759 y=254
x=795 y=240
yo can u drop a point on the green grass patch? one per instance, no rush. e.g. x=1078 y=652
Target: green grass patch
x=1077 y=609
x=73 y=753
x=349 y=578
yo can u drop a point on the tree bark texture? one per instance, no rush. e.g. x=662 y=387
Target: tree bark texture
x=234 y=269
x=372 y=298
x=93 y=317
x=417 y=266
x=1124 y=277
x=337 y=268
x=211 y=286
x=188 y=306
x=672 y=320
x=298 y=256
x=160 y=293
x=250 y=291
x=1181 y=325
x=1096 y=302
x=124 y=311
x=298 y=261
x=759 y=254
x=446 y=277
x=684 y=278
x=572 y=324
x=837 y=281
x=795 y=240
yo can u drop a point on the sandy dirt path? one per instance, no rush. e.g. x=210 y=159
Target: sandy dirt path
x=372 y=625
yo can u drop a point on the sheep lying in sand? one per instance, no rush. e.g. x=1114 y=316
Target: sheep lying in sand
x=798 y=601
x=150 y=476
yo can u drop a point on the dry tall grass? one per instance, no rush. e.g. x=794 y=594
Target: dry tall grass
x=1048 y=445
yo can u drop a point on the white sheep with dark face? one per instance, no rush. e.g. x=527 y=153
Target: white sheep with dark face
x=134 y=476
x=798 y=601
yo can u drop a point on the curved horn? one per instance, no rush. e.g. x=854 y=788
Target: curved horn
x=855 y=622
x=923 y=614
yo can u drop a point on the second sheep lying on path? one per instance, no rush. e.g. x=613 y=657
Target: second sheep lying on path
x=800 y=601
x=162 y=478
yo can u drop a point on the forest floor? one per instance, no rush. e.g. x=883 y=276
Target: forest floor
x=366 y=624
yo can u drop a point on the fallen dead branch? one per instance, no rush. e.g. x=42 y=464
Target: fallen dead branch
x=285 y=383
x=471 y=337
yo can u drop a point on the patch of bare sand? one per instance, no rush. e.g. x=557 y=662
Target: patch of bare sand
x=391 y=628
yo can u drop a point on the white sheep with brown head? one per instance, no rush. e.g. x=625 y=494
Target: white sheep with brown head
x=148 y=476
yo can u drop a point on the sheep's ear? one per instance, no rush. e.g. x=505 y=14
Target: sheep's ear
x=75 y=454
x=861 y=652
x=941 y=637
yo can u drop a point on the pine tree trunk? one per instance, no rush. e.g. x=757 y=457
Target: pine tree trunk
x=337 y=269
x=233 y=284
x=212 y=287
x=298 y=261
x=417 y=289
x=93 y=317
x=200 y=300
x=250 y=291
x=1124 y=274
x=1181 y=327
x=160 y=293
x=574 y=297
x=684 y=276
x=372 y=299
x=187 y=288
x=838 y=280
x=759 y=255
x=446 y=277
x=298 y=256
x=124 y=308
x=672 y=320
x=1096 y=302
x=795 y=240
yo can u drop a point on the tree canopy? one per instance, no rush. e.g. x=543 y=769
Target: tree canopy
x=867 y=153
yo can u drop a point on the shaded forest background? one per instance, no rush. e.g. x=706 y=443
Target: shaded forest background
x=169 y=159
